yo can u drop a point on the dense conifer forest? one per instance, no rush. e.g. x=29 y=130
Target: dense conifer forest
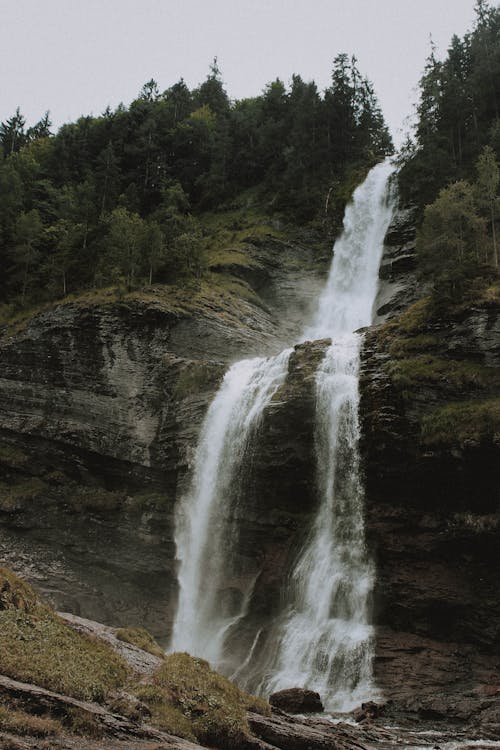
x=450 y=171
x=121 y=198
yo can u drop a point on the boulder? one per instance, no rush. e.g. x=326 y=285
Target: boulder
x=297 y=701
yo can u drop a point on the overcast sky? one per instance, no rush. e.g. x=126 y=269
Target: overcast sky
x=75 y=57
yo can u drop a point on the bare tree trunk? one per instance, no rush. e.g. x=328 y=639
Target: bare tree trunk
x=327 y=200
x=495 y=253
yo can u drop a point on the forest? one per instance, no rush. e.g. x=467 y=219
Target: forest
x=449 y=169
x=121 y=198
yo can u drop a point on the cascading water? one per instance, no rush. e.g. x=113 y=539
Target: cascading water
x=205 y=515
x=325 y=642
x=324 y=638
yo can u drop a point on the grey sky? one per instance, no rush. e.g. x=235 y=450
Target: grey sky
x=77 y=56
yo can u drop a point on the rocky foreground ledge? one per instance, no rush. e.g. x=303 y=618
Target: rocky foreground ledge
x=68 y=682
x=32 y=716
x=109 y=730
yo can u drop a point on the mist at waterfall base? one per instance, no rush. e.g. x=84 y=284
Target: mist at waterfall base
x=323 y=639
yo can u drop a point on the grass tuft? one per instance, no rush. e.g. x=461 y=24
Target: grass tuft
x=37 y=647
x=190 y=699
x=141 y=638
x=472 y=422
x=16 y=594
x=22 y=723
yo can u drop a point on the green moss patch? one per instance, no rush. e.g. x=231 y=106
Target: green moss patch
x=466 y=390
x=93 y=498
x=37 y=647
x=193 y=379
x=16 y=495
x=413 y=371
x=12 y=456
x=190 y=699
x=462 y=422
x=228 y=234
x=141 y=638
x=408 y=324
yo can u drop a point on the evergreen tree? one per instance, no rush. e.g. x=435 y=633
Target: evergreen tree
x=155 y=250
x=487 y=190
x=458 y=110
x=25 y=251
x=120 y=197
x=107 y=175
x=121 y=259
x=12 y=135
x=41 y=129
x=211 y=93
x=452 y=242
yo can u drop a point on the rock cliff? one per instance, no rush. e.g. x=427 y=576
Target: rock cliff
x=101 y=401
x=430 y=412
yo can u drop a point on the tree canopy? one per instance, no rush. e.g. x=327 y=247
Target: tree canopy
x=121 y=197
x=450 y=169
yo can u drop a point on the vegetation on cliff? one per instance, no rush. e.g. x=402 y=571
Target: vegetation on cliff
x=126 y=197
x=443 y=381
x=450 y=171
x=36 y=646
x=183 y=696
x=458 y=111
x=190 y=699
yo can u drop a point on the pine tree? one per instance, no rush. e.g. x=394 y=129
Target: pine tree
x=12 y=135
x=27 y=233
x=487 y=190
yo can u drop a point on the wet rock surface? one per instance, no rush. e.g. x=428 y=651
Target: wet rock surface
x=100 y=409
x=297 y=701
x=398 y=283
x=433 y=514
x=275 y=512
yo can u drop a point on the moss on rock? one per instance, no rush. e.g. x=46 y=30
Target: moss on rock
x=190 y=699
x=471 y=422
x=141 y=638
x=37 y=647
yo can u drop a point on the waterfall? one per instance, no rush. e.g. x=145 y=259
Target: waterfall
x=325 y=640
x=206 y=514
x=324 y=637
x=346 y=302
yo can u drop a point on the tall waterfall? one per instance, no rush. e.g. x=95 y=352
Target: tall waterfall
x=206 y=514
x=326 y=640
x=324 y=637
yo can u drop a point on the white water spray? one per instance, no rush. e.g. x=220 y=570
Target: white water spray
x=326 y=640
x=205 y=515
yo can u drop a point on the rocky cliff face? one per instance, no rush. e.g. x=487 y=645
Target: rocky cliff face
x=97 y=417
x=100 y=407
x=101 y=402
x=430 y=412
